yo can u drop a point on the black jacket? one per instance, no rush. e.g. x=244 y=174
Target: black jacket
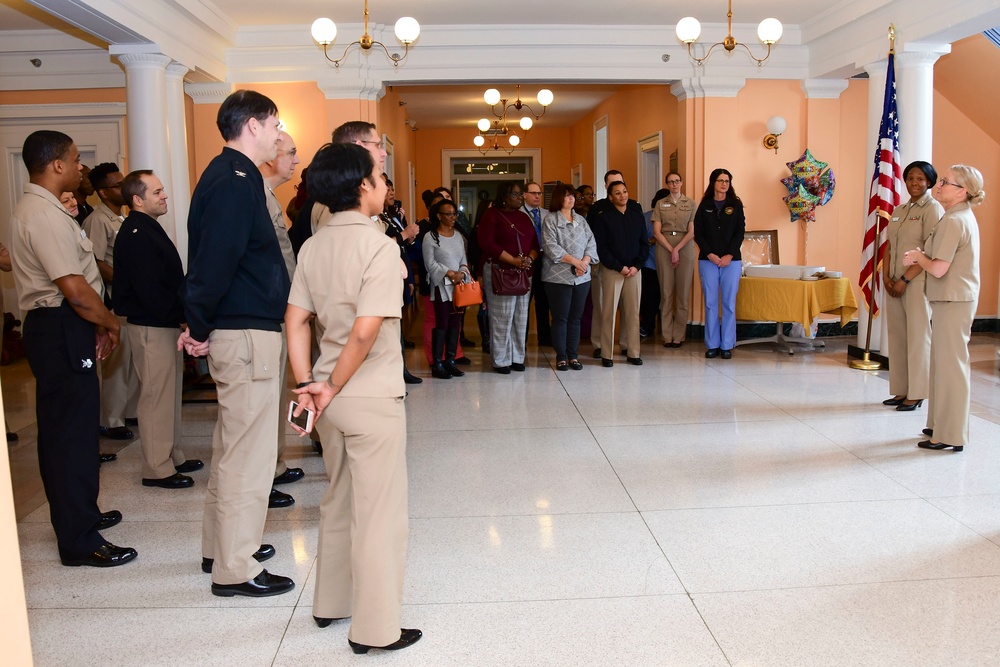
x=148 y=274
x=236 y=275
x=621 y=237
x=719 y=231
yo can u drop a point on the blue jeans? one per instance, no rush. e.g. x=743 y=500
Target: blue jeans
x=712 y=279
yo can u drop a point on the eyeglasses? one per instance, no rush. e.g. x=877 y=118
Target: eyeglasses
x=674 y=181
x=379 y=144
x=516 y=193
x=533 y=192
x=954 y=185
x=722 y=182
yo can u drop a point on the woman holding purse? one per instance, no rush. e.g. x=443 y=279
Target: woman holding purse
x=446 y=264
x=509 y=245
x=569 y=249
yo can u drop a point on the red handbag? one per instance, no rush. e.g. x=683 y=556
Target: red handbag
x=467 y=294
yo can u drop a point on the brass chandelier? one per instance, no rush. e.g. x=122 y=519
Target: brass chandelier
x=324 y=31
x=502 y=112
x=768 y=31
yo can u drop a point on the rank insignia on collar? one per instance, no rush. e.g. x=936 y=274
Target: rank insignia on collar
x=241 y=174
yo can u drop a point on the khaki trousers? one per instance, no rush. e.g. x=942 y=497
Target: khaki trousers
x=363 y=517
x=159 y=368
x=245 y=367
x=617 y=287
x=119 y=384
x=283 y=398
x=597 y=301
x=951 y=387
x=908 y=319
x=675 y=290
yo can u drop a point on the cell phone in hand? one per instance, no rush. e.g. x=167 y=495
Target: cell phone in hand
x=304 y=422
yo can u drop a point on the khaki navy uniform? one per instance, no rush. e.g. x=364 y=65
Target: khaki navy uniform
x=676 y=220
x=46 y=244
x=909 y=316
x=350 y=269
x=119 y=384
x=953 y=299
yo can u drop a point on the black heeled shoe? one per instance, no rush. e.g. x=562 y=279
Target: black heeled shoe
x=325 y=622
x=406 y=638
x=928 y=432
x=894 y=401
x=909 y=407
x=927 y=444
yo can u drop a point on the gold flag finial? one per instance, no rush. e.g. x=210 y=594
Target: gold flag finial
x=892 y=38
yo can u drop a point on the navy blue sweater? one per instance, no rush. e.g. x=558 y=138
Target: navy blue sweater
x=236 y=274
x=148 y=274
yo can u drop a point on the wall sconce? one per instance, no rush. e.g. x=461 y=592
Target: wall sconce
x=775 y=127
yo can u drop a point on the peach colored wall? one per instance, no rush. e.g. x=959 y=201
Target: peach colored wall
x=957 y=140
x=392 y=123
x=75 y=96
x=962 y=71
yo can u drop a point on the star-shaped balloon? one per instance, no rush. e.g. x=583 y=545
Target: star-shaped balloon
x=806 y=166
x=802 y=204
x=810 y=185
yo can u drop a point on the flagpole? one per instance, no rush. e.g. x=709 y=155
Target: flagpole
x=866 y=363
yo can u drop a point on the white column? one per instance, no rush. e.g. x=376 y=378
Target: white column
x=180 y=176
x=915 y=98
x=876 y=98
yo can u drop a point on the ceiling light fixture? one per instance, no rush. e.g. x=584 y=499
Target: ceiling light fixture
x=498 y=126
x=769 y=31
x=407 y=29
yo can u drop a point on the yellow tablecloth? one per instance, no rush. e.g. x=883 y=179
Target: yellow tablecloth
x=785 y=300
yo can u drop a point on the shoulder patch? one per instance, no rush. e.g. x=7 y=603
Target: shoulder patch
x=241 y=174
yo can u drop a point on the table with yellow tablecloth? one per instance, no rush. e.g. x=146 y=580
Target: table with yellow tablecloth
x=783 y=300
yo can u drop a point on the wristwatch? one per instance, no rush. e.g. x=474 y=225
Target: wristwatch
x=905 y=280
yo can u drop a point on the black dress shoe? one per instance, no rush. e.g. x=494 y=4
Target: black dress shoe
x=105 y=458
x=894 y=401
x=597 y=353
x=712 y=353
x=502 y=370
x=635 y=361
x=116 y=433
x=517 y=367
x=279 y=499
x=11 y=436
x=607 y=363
x=325 y=622
x=290 y=475
x=317 y=447
x=727 y=354
x=562 y=366
x=466 y=342
x=410 y=378
x=928 y=432
x=108 y=519
x=190 y=465
x=175 y=481
x=263 y=585
x=463 y=361
x=265 y=552
x=909 y=407
x=131 y=421
x=108 y=555
x=927 y=444
x=576 y=365
x=406 y=638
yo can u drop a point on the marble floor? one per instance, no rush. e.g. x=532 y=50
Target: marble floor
x=765 y=510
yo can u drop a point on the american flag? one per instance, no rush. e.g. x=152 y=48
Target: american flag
x=886 y=190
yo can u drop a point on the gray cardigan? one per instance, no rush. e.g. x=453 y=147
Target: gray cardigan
x=560 y=238
x=439 y=259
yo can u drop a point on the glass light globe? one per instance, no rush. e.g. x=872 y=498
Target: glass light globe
x=407 y=30
x=545 y=97
x=688 y=29
x=483 y=124
x=514 y=140
x=324 y=31
x=492 y=96
x=776 y=125
x=526 y=123
x=478 y=140
x=769 y=31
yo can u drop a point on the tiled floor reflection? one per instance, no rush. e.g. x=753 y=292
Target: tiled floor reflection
x=765 y=510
